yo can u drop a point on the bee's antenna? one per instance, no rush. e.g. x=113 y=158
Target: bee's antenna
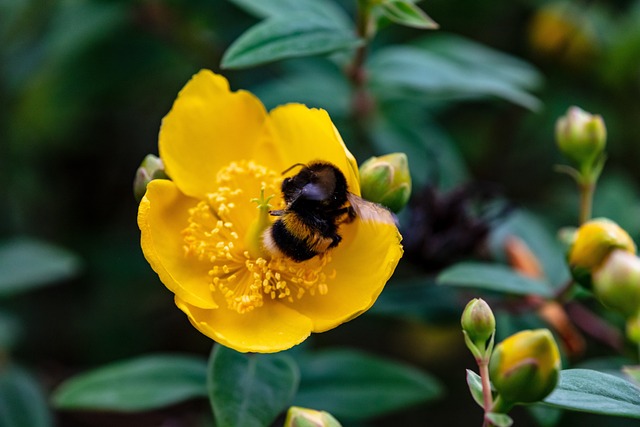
x=292 y=166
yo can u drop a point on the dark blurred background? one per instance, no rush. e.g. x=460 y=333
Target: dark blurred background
x=85 y=84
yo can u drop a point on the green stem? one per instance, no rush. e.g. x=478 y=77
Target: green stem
x=587 y=189
x=587 y=180
x=487 y=399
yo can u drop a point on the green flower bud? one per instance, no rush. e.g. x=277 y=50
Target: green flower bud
x=525 y=367
x=386 y=180
x=617 y=283
x=592 y=243
x=581 y=136
x=478 y=322
x=151 y=168
x=303 y=417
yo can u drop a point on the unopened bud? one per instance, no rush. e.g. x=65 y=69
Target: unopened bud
x=478 y=322
x=593 y=242
x=386 y=180
x=581 y=136
x=151 y=168
x=525 y=367
x=617 y=283
x=303 y=417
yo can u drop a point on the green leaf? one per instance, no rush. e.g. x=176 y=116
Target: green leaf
x=250 y=390
x=499 y=420
x=357 y=386
x=633 y=372
x=408 y=14
x=476 y=56
x=139 y=384
x=475 y=387
x=407 y=71
x=26 y=264
x=493 y=277
x=22 y=402
x=295 y=35
x=586 y=390
x=273 y=8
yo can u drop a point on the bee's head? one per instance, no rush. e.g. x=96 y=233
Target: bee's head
x=318 y=183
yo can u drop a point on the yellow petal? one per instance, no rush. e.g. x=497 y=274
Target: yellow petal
x=364 y=261
x=267 y=329
x=162 y=216
x=207 y=128
x=302 y=135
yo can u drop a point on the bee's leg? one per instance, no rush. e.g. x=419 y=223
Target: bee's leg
x=336 y=238
x=276 y=213
x=349 y=213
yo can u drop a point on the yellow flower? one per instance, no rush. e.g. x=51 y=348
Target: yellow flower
x=221 y=150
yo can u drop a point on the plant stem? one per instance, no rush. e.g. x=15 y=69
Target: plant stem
x=483 y=365
x=355 y=71
x=362 y=103
x=587 y=188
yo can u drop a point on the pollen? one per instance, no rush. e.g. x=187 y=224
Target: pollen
x=215 y=235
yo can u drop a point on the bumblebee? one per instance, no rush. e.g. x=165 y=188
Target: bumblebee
x=317 y=202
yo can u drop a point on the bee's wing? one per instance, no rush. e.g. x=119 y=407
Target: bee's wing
x=369 y=211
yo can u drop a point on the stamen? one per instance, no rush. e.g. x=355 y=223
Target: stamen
x=218 y=233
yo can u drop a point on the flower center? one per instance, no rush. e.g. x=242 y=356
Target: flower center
x=222 y=232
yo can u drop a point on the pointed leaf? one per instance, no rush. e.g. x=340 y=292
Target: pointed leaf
x=592 y=391
x=633 y=372
x=475 y=387
x=354 y=385
x=493 y=277
x=499 y=420
x=321 y=8
x=409 y=71
x=295 y=35
x=250 y=390
x=26 y=264
x=483 y=58
x=139 y=384
x=408 y=14
x=22 y=402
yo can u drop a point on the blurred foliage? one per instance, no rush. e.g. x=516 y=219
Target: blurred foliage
x=85 y=83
